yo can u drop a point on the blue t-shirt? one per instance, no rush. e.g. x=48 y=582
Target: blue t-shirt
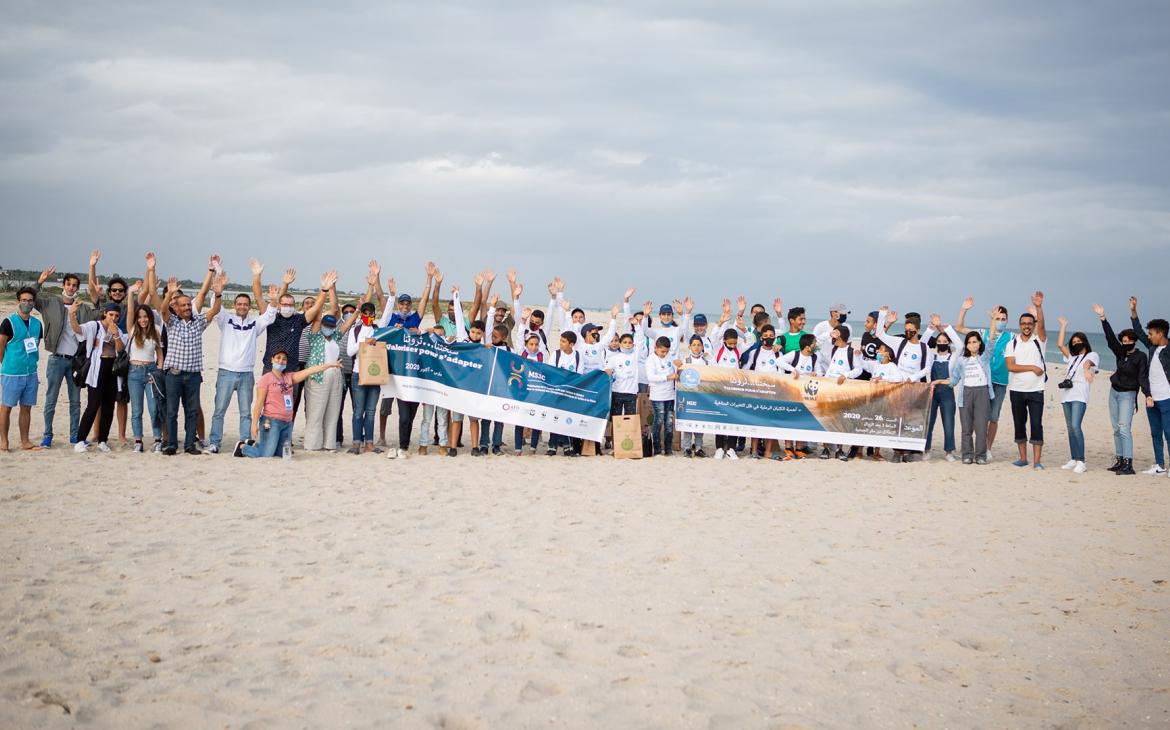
x=999 y=371
x=410 y=321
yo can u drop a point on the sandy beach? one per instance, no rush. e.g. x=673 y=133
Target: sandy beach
x=340 y=591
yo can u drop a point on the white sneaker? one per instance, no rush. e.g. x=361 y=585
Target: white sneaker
x=1080 y=468
x=926 y=455
x=403 y=453
x=211 y=449
x=718 y=453
x=732 y=455
x=951 y=456
x=104 y=447
x=987 y=455
x=1154 y=471
x=391 y=453
x=81 y=447
x=1071 y=463
x=138 y=447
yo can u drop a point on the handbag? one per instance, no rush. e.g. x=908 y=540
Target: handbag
x=79 y=369
x=121 y=366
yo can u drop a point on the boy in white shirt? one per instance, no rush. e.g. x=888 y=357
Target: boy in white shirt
x=531 y=351
x=1027 y=373
x=566 y=358
x=693 y=442
x=884 y=369
x=663 y=376
x=843 y=364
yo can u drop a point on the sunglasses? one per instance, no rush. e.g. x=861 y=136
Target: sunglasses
x=118 y=290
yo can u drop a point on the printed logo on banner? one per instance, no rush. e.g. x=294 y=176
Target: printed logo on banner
x=568 y=420
x=811 y=388
x=690 y=377
x=516 y=377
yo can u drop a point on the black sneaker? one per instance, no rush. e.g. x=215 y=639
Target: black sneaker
x=551 y=452
x=476 y=452
x=570 y=453
x=170 y=450
x=239 y=450
x=825 y=452
x=842 y=455
x=496 y=451
x=452 y=452
x=193 y=451
x=688 y=453
x=700 y=454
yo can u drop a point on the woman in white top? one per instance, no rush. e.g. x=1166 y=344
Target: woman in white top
x=103 y=341
x=1082 y=366
x=145 y=377
x=971 y=382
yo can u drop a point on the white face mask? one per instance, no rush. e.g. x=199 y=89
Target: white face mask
x=286 y=311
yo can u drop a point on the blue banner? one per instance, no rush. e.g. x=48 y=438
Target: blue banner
x=495 y=385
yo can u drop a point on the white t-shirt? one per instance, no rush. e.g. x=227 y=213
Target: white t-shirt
x=1159 y=387
x=1026 y=352
x=973 y=373
x=624 y=369
x=657 y=370
x=1076 y=373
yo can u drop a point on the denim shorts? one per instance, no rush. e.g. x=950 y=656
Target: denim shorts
x=20 y=390
x=997 y=402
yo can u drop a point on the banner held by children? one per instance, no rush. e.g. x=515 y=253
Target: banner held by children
x=765 y=405
x=496 y=385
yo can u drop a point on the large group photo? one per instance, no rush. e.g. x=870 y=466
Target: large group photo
x=615 y=365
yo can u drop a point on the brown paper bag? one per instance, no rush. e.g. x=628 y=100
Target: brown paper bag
x=373 y=366
x=588 y=448
x=627 y=437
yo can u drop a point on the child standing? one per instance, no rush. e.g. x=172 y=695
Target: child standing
x=663 y=377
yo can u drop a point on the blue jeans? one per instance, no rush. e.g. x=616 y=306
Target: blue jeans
x=497 y=435
x=1074 y=413
x=1159 y=417
x=662 y=430
x=943 y=400
x=140 y=384
x=534 y=439
x=431 y=414
x=55 y=369
x=227 y=384
x=272 y=439
x=558 y=440
x=182 y=389
x=365 y=404
x=1122 y=406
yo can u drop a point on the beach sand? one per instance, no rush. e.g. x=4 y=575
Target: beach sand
x=340 y=591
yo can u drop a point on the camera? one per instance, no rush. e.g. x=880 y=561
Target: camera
x=1064 y=384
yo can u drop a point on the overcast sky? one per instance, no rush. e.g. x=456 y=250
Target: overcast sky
x=901 y=152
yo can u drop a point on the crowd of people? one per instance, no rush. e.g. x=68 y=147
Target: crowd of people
x=137 y=351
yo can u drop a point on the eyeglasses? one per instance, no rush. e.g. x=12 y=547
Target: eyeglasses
x=27 y=301
x=117 y=291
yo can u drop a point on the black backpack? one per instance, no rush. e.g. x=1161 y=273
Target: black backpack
x=79 y=369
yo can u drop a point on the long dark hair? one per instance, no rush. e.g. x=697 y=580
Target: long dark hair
x=977 y=336
x=1083 y=338
x=141 y=334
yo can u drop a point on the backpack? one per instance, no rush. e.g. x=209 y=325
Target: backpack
x=79 y=367
x=1039 y=349
x=576 y=354
x=796 y=360
x=848 y=350
x=902 y=346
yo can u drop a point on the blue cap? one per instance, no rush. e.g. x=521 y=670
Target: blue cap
x=329 y=321
x=404 y=298
x=700 y=319
x=666 y=309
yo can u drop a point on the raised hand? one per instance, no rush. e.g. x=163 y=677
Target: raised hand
x=629 y=293
x=613 y=311
x=214 y=262
x=1099 y=311
x=494 y=301
x=678 y=306
x=968 y=303
x=134 y=288
x=560 y=283
x=566 y=304
x=218 y=282
x=689 y=304
x=438 y=277
x=511 y=276
x=431 y=269
x=517 y=290
x=479 y=279
x=371 y=278
x=391 y=288
x=489 y=276
x=46 y=274
x=172 y=285
x=272 y=292
x=936 y=322
x=726 y=309
x=290 y=275
x=150 y=261
x=777 y=305
x=94 y=256
x=454 y=290
x=1038 y=299
x=525 y=314
x=891 y=317
x=1133 y=307
x=374 y=268
x=646 y=307
x=328 y=279
x=740 y=303
x=1063 y=321
x=257 y=267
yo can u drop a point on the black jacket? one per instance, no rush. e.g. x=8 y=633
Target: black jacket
x=1133 y=372
x=1163 y=358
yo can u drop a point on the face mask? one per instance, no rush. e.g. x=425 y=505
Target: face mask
x=944 y=348
x=1076 y=348
x=278 y=367
x=367 y=319
x=999 y=326
x=911 y=334
x=627 y=350
x=26 y=307
x=767 y=341
x=1129 y=348
x=327 y=331
x=841 y=319
x=287 y=311
x=612 y=348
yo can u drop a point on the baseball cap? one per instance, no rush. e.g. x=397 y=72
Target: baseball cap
x=666 y=309
x=404 y=298
x=839 y=308
x=329 y=321
x=700 y=319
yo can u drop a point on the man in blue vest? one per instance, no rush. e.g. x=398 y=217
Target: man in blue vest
x=20 y=349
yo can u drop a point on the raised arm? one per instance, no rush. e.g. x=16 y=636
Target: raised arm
x=1137 y=324
x=477 y=299
x=73 y=323
x=460 y=330
x=426 y=295
x=217 y=285
x=1038 y=303
x=172 y=287
x=257 y=287
x=960 y=322
x=151 y=285
x=436 y=312
x=212 y=270
x=328 y=280
x=1060 y=336
x=290 y=275
x=93 y=287
x=890 y=317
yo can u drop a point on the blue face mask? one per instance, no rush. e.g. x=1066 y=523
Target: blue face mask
x=278 y=367
x=327 y=331
x=1000 y=325
x=628 y=350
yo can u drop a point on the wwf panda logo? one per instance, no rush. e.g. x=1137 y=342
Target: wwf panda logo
x=811 y=388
